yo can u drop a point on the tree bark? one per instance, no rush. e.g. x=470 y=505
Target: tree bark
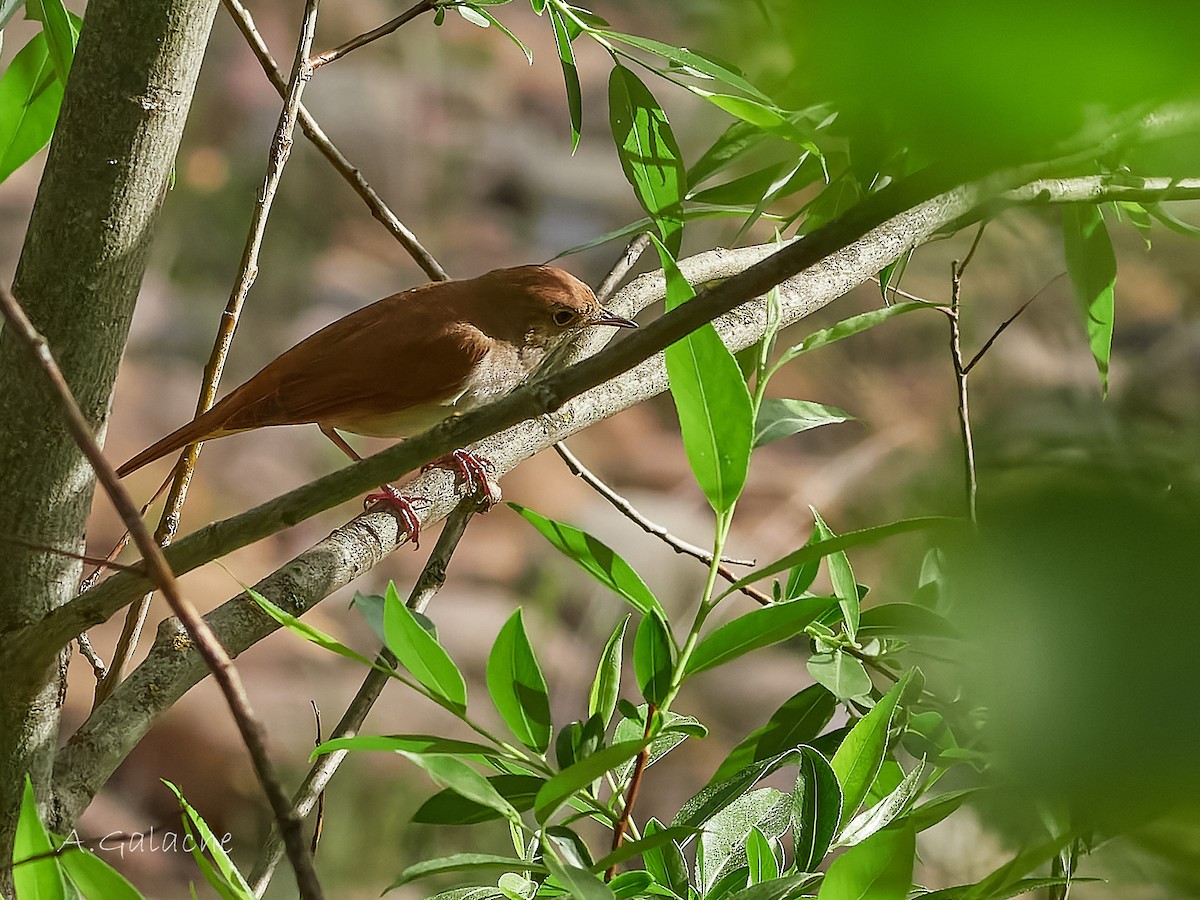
x=81 y=266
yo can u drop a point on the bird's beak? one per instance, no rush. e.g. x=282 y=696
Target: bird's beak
x=604 y=317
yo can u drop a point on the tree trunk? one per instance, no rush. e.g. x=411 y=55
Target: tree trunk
x=80 y=270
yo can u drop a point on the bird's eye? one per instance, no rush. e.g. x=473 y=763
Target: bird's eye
x=563 y=318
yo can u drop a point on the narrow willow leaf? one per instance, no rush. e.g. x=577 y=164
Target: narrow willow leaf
x=723 y=840
x=1093 y=270
x=306 y=631
x=555 y=792
x=508 y=34
x=93 y=877
x=602 y=699
x=674 y=731
x=30 y=97
x=905 y=620
x=665 y=861
x=933 y=811
x=648 y=152
x=644 y=224
x=596 y=558
x=783 y=418
x=517 y=687
x=845 y=588
x=821 y=549
x=633 y=885
x=738 y=139
x=885 y=811
x=716 y=414
x=758 y=628
x=703 y=63
x=39 y=878
x=799 y=884
x=880 y=868
x=999 y=884
x=566 y=57
x=449 y=807
x=717 y=795
x=656 y=837
x=844 y=676
x=466 y=862
x=892 y=274
x=760 y=857
x=848 y=328
x=408 y=743
x=654 y=658
x=227 y=873
x=473 y=15
x=451 y=772
x=816 y=809
x=62 y=33
x=800 y=719
x=579 y=883
x=858 y=759
x=420 y=653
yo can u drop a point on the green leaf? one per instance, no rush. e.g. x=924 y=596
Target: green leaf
x=998 y=885
x=845 y=676
x=691 y=59
x=734 y=142
x=41 y=878
x=848 y=328
x=861 y=753
x=675 y=729
x=760 y=857
x=656 y=838
x=723 y=841
x=799 y=884
x=508 y=34
x=783 y=418
x=579 y=883
x=306 y=631
x=96 y=879
x=648 y=152
x=634 y=885
x=555 y=792
x=62 y=32
x=816 y=809
x=758 y=628
x=644 y=224
x=30 y=98
x=796 y=722
x=885 y=811
x=420 y=653
x=518 y=689
x=820 y=549
x=595 y=558
x=905 y=620
x=665 y=861
x=602 y=699
x=845 y=588
x=933 y=811
x=407 y=743
x=653 y=658
x=451 y=772
x=226 y=879
x=566 y=56
x=450 y=807
x=472 y=15
x=1093 y=270
x=892 y=274
x=716 y=414
x=880 y=868
x=466 y=862
x=717 y=795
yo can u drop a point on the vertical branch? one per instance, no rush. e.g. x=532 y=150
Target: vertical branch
x=160 y=572
x=281 y=148
x=961 y=372
x=631 y=795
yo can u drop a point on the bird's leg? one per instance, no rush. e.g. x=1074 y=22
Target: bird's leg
x=474 y=472
x=388 y=494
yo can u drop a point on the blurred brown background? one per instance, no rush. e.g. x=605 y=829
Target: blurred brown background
x=471 y=148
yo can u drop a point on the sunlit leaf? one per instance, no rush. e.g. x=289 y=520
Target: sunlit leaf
x=39 y=878
x=602 y=699
x=1093 y=270
x=816 y=809
x=451 y=772
x=555 y=792
x=778 y=418
x=796 y=722
x=862 y=751
x=566 y=57
x=420 y=653
x=653 y=658
x=30 y=97
x=517 y=687
x=880 y=868
x=466 y=862
x=758 y=628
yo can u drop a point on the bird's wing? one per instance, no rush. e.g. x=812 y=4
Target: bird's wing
x=370 y=362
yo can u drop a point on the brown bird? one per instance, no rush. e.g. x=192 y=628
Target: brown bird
x=405 y=363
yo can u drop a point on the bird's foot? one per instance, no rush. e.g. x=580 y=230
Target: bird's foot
x=389 y=496
x=474 y=471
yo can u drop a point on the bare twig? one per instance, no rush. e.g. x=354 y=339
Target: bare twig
x=374 y=34
x=71 y=554
x=314 y=132
x=1003 y=325
x=675 y=543
x=319 y=825
x=960 y=377
x=89 y=653
x=631 y=795
x=432 y=577
x=162 y=575
x=281 y=149
x=627 y=260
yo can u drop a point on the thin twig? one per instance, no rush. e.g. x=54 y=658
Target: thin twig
x=374 y=34
x=71 y=554
x=319 y=825
x=281 y=149
x=620 y=269
x=314 y=132
x=960 y=377
x=89 y=653
x=677 y=544
x=999 y=331
x=432 y=577
x=631 y=795
x=160 y=572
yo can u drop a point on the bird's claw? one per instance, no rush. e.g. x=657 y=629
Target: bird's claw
x=404 y=507
x=474 y=472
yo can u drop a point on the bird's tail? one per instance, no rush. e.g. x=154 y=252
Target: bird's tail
x=202 y=428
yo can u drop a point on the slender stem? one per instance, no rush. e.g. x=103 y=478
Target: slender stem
x=206 y=643
x=314 y=132
x=627 y=260
x=281 y=149
x=1004 y=325
x=960 y=377
x=631 y=795
x=374 y=34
